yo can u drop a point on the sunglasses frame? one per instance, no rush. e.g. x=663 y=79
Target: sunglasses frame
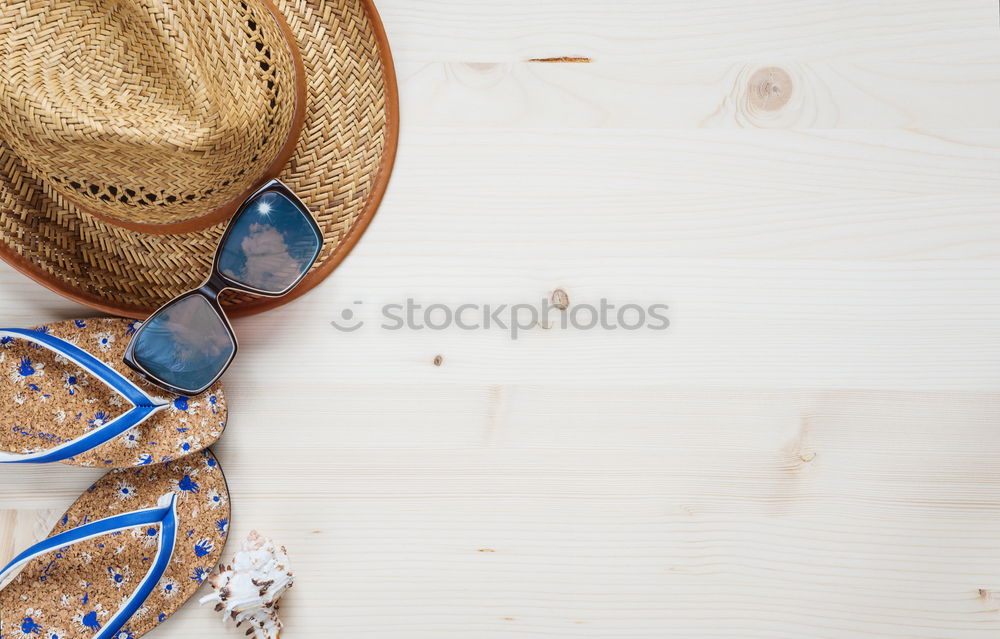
x=217 y=283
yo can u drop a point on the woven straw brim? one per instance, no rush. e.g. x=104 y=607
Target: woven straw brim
x=340 y=168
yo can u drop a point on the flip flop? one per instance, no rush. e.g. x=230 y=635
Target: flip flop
x=124 y=557
x=67 y=396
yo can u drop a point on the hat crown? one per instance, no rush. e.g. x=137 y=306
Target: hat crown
x=148 y=112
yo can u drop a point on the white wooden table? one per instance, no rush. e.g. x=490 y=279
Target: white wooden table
x=812 y=449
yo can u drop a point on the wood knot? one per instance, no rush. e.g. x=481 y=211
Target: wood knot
x=560 y=299
x=438 y=360
x=769 y=89
x=571 y=59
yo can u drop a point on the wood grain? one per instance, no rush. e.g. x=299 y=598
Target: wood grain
x=810 y=450
x=633 y=94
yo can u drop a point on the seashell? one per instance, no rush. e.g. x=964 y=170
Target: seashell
x=247 y=590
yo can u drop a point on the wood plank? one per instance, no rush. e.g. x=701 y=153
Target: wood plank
x=818 y=94
x=665 y=32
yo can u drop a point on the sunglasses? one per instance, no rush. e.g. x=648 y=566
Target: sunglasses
x=270 y=244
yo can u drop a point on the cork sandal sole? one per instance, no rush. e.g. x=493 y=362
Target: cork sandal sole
x=75 y=591
x=46 y=400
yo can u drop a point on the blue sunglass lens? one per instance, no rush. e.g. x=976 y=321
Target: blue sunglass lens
x=271 y=244
x=185 y=344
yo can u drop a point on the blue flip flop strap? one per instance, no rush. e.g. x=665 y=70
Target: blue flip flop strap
x=164 y=514
x=74 y=353
x=144 y=404
x=85 y=442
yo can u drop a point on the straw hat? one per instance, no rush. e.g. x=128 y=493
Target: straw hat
x=130 y=130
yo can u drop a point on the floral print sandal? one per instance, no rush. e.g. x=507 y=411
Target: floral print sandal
x=67 y=396
x=124 y=557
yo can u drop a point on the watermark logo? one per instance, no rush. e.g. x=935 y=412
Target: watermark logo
x=514 y=319
x=348 y=322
